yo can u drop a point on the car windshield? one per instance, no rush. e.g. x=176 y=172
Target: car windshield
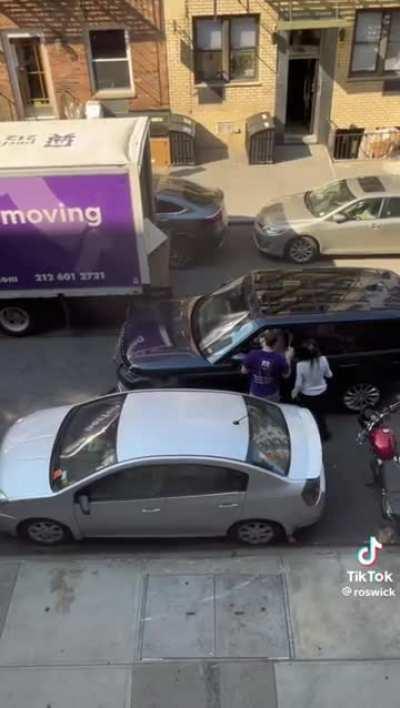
x=269 y=442
x=222 y=320
x=328 y=198
x=86 y=442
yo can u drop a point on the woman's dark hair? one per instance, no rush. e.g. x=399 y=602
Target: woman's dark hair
x=308 y=351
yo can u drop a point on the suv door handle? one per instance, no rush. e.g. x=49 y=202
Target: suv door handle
x=150 y=511
x=227 y=506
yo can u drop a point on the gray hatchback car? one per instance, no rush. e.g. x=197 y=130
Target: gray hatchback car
x=359 y=216
x=162 y=463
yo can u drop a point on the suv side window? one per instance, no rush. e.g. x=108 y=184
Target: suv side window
x=391 y=208
x=155 y=481
x=363 y=210
x=352 y=337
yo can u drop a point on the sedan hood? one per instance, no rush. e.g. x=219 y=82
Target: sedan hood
x=305 y=442
x=291 y=211
x=158 y=336
x=25 y=454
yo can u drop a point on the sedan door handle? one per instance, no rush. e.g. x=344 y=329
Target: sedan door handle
x=150 y=511
x=227 y=506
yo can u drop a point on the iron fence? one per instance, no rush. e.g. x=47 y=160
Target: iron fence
x=361 y=144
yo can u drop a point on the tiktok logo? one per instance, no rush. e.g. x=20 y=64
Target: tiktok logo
x=367 y=555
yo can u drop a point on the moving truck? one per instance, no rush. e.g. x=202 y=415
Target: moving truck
x=76 y=211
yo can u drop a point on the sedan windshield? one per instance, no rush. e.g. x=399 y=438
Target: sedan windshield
x=222 y=320
x=86 y=442
x=269 y=443
x=328 y=198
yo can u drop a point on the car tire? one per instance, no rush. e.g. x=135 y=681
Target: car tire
x=359 y=395
x=45 y=532
x=17 y=319
x=302 y=250
x=256 y=532
x=180 y=256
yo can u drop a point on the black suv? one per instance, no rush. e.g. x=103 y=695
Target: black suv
x=354 y=313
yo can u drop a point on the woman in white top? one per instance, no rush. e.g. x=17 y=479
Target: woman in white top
x=312 y=371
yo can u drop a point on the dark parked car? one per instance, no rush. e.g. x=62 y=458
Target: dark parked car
x=354 y=313
x=194 y=217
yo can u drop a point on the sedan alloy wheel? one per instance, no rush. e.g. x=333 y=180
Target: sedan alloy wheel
x=256 y=533
x=45 y=531
x=302 y=249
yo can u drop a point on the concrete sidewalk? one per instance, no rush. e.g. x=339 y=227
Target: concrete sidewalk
x=268 y=628
x=297 y=168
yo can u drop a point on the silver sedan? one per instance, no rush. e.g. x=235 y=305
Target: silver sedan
x=359 y=216
x=162 y=463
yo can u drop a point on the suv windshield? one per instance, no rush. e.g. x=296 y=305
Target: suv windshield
x=86 y=442
x=222 y=320
x=328 y=198
x=269 y=442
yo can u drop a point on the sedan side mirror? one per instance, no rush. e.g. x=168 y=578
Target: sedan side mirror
x=339 y=218
x=84 y=503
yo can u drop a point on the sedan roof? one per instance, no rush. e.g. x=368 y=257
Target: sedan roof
x=372 y=186
x=158 y=423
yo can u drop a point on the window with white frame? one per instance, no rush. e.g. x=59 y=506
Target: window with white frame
x=226 y=48
x=110 y=58
x=376 y=43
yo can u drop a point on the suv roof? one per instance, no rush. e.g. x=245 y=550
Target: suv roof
x=327 y=291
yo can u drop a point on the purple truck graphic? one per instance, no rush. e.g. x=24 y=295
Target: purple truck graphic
x=70 y=230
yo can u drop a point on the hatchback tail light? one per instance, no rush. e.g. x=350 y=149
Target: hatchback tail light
x=311 y=491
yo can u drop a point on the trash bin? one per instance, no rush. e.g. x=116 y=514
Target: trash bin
x=182 y=133
x=260 y=139
x=179 y=130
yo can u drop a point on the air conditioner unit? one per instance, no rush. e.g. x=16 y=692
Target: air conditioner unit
x=93 y=109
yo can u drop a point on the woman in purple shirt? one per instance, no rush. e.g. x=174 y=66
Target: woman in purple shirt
x=266 y=367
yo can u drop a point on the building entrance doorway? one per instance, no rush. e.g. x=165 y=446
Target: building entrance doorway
x=301 y=93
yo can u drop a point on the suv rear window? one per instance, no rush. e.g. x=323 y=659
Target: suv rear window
x=269 y=442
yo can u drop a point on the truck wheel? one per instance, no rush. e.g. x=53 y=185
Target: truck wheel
x=16 y=318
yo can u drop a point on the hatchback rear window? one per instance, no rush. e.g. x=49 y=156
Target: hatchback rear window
x=269 y=442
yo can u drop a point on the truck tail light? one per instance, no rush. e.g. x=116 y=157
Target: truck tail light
x=311 y=491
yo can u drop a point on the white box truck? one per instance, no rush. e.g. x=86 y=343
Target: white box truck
x=76 y=210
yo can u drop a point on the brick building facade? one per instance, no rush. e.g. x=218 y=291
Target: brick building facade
x=316 y=66
x=55 y=56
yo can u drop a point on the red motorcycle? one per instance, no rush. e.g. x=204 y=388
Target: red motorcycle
x=385 y=461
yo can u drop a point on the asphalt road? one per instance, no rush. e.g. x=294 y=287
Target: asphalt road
x=66 y=366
